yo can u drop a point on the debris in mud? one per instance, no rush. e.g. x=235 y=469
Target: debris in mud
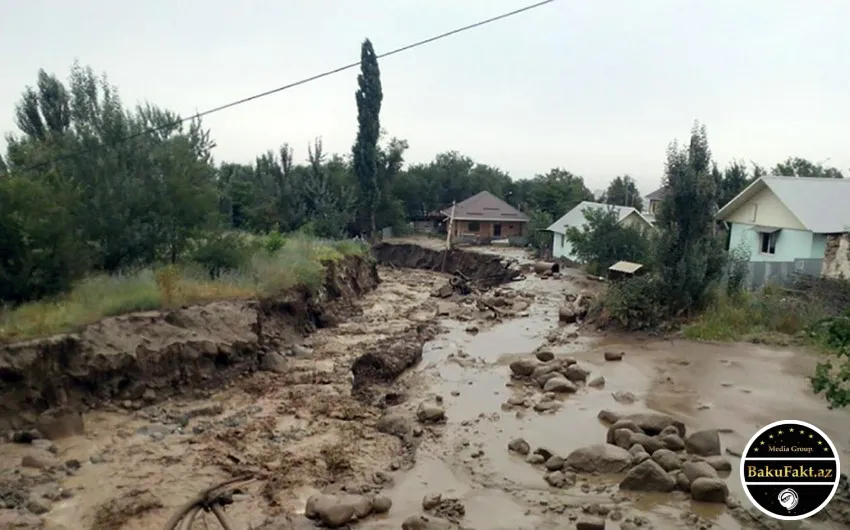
x=457 y=284
x=613 y=356
x=385 y=361
x=336 y=511
x=575 y=308
x=431 y=413
x=444 y=508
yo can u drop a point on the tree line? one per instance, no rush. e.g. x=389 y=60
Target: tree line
x=89 y=184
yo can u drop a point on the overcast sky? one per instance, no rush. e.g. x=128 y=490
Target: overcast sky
x=599 y=88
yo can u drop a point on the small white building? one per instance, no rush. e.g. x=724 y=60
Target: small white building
x=562 y=248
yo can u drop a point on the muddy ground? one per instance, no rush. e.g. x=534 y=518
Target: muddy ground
x=299 y=429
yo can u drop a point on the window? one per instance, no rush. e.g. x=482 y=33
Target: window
x=753 y=211
x=768 y=242
x=562 y=240
x=473 y=226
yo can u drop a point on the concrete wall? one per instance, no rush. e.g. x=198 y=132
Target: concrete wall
x=561 y=247
x=790 y=244
x=836 y=262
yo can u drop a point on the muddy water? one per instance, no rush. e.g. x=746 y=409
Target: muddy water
x=735 y=388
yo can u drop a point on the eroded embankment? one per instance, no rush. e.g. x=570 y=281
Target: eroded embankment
x=485 y=270
x=141 y=358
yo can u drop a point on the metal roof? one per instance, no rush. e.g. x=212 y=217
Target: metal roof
x=822 y=205
x=660 y=193
x=485 y=206
x=575 y=217
x=625 y=266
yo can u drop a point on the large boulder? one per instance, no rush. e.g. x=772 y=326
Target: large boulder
x=648 y=476
x=709 y=490
x=694 y=469
x=599 y=458
x=653 y=423
x=704 y=443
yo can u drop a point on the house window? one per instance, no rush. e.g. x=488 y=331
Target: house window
x=753 y=211
x=562 y=240
x=473 y=226
x=768 y=242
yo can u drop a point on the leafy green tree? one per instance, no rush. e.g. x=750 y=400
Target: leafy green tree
x=556 y=192
x=732 y=182
x=690 y=257
x=623 y=191
x=800 y=167
x=538 y=222
x=369 y=96
x=603 y=240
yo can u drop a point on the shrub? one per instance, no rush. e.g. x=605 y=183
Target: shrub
x=834 y=381
x=635 y=304
x=228 y=252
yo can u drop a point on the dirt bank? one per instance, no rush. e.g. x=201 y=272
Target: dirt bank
x=486 y=270
x=144 y=357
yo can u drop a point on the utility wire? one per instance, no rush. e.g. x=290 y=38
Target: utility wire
x=290 y=85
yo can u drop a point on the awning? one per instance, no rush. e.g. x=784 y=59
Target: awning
x=766 y=229
x=625 y=267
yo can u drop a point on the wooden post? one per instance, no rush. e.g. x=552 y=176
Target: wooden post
x=451 y=225
x=448 y=238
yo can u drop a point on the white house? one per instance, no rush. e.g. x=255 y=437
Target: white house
x=562 y=248
x=788 y=218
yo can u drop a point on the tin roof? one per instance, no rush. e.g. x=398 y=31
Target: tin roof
x=485 y=206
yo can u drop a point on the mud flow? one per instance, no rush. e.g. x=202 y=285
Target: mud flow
x=469 y=398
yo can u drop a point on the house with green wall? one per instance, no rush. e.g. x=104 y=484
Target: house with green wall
x=782 y=219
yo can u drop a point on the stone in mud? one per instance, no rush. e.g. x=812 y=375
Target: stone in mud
x=597 y=382
x=599 y=458
x=590 y=523
x=560 y=385
x=444 y=309
x=546 y=406
x=719 y=463
x=274 y=362
x=667 y=459
x=519 y=446
x=673 y=442
x=361 y=504
x=707 y=489
x=654 y=423
x=545 y=453
x=554 y=463
x=336 y=515
x=420 y=522
x=381 y=504
x=623 y=438
x=38 y=462
x=682 y=482
x=613 y=356
x=431 y=501
x=559 y=479
x=704 y=443
x=535 y=459
x=314 y=502
x=651 y=444
x=568 y=313
x=624 y=396
x=395 y=424
x=544 y=355
x=648 y=476
x=38 y=505
x=694 y=469
x=523 y=367
x=430 y=413
x=609 y=416
x=60 y=423
x=620 y=424
x=575 y=373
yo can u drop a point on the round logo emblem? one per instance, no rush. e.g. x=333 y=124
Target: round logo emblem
x=790 y=470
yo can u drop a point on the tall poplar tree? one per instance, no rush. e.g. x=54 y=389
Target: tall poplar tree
x=365 y=150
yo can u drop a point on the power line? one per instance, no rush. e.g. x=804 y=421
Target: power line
x=290 y=85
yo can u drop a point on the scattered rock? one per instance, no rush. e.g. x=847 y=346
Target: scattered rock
x=599 y=458
x=381 y=504
x=544 y=356
x=431 y=501
x=594 y=523
x=654 y=423
x=554 y=463
x=575 y=373
x=667 y=459
x=622 y=396
x=37 y=462
x=698 y=469
x=559 y=479
x=704 y=443
x=523 y=367
x=597 y=382
x=719 y=463
x=421 y=522
x=707 y=489
x=519 y=446
x=430 y=413
x=673 y=442
x=559 y=384
x=613 y=356
x=38 y=505
x=648 y=476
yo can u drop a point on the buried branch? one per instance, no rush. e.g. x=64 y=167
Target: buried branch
x=212 y=500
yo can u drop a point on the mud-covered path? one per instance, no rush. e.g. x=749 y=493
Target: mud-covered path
x=301 y=431
x=734 y=388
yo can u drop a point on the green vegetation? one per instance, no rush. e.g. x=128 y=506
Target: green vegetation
x=603 y=241
x=297 y=260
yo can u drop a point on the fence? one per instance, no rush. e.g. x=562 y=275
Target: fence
x=761 y=273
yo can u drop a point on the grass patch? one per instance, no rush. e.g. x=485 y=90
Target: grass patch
x=297 y=260
x=772 y=316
